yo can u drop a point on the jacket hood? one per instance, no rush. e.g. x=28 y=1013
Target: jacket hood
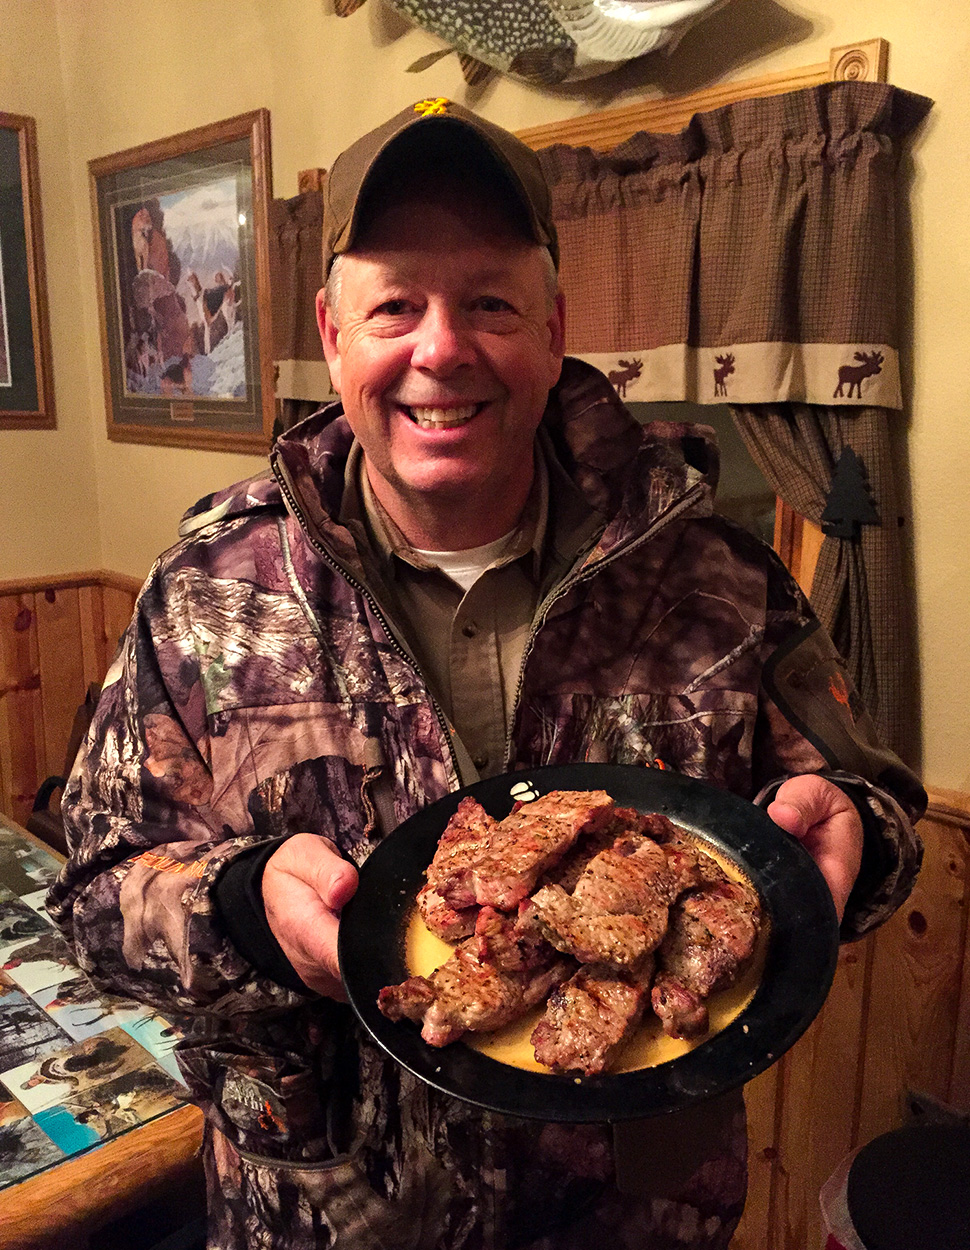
x=631 y=473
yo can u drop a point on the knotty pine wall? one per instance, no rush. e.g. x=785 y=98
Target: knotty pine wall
x=57 y=635
x=897 y=1018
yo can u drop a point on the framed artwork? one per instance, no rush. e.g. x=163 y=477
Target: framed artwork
x=26 y=380
x=181 y=233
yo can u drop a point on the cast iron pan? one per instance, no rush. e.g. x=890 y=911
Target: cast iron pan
x=800 y=958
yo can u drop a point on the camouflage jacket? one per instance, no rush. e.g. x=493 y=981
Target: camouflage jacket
x=262 y=689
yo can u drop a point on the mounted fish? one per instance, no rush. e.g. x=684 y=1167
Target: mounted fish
x=608 y=33
x=545 y=42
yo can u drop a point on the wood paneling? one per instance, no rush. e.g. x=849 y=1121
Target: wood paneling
x=57 y=635
x=897 y=1020
x=22 y=749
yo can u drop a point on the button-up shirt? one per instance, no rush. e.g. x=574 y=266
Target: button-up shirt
x=470 y=644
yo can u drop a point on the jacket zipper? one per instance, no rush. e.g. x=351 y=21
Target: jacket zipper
x=396 y=645
x=570 y=581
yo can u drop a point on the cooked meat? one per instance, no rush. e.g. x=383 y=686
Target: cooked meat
x=710 y=941
x=500 y=940
x=442 y=919
x=512 y=855
x=465 y=841
x=622 y=892
x=469 y=995
x=589 y=1018
x=570 y=868
x=617 y=914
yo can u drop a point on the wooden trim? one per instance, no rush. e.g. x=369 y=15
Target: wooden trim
x=66 y=581
x=310 y=180
x=950 y=807
x=58 y=1207
x=608 y=127
x=865 y=61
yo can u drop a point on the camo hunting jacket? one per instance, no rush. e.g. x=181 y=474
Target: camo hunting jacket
x=262 y=689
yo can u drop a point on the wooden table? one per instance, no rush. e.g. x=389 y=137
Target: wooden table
x=62 y=1203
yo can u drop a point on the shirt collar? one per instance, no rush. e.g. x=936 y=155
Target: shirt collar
x=361 y=506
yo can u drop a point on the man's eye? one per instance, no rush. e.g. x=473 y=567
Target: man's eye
x=394 y=308
x=493 y=303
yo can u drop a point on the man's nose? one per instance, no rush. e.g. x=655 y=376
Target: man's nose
x=442 y=341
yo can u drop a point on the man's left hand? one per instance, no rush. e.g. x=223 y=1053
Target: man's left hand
x=828 y=824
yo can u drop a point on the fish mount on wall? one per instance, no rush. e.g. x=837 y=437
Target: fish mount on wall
x=545 y=42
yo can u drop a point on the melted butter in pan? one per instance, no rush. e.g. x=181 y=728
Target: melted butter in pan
x=424 y=952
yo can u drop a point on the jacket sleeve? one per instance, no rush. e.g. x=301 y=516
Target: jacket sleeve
x=813 y=720
x=152 y=829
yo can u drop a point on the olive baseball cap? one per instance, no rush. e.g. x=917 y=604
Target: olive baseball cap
x=448 y=130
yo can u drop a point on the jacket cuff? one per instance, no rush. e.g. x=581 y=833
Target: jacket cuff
x=238 y=897
x=891 y=853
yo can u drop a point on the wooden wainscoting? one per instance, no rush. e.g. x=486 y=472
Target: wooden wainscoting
x=57 y=635
x=897 y=1019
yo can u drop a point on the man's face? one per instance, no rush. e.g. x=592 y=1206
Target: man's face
x=448 y=344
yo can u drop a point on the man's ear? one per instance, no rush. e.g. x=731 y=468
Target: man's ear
x=328 y=337
x=556 y=325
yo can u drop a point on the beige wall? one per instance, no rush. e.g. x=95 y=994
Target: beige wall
x=106 y=75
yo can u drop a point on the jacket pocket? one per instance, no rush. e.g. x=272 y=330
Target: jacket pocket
x=300 y=1204
x=707 y=734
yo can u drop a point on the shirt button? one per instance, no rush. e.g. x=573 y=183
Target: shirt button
x=469 y=630
x=481 y=761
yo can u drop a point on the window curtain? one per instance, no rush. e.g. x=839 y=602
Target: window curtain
x=750 y=260
x=296 y=265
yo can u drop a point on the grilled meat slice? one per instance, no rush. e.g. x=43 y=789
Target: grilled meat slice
x=468 y=994
x=709 y=943
x=569 y=869
x=511 y=947
x=443 y=919
x=515 y=852
x=617 y=914
x=464 y=843
x=589 y=1019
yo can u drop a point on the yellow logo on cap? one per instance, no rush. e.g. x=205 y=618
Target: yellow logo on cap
x=432 y=108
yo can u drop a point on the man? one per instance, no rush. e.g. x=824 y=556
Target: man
x=476 y=561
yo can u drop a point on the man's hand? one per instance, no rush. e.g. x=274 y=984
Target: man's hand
x=305 y=884
x=828 y=824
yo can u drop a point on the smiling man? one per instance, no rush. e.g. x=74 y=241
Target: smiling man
x=474 y=562
x=444 y=344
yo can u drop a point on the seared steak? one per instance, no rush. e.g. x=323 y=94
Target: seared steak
x=464 y=843
x=442 y=919
x=710 y=941
x=617 y=914
x=509 y=858
x=620 y=891
x=589 y=1018
x=469 y=995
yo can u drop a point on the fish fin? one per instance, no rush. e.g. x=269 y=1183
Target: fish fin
x=544 y=66
x=344 y=8
x=473 y=70
x=425 y=62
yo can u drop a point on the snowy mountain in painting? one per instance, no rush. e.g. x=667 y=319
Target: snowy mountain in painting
x=203 y=227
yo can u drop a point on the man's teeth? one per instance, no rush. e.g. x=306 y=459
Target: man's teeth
x=442 y=418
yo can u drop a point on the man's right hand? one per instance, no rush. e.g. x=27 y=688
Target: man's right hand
x=305 y=884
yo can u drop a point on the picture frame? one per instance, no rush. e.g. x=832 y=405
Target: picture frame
x=26 y=375
x=182 y=242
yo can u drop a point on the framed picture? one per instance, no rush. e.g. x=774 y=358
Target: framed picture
x=181 y=231
x=26 y=380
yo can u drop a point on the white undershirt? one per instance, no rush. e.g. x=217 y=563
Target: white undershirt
x=466 y=567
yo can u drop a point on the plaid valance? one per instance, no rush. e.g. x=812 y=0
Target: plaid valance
x=750 y=258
